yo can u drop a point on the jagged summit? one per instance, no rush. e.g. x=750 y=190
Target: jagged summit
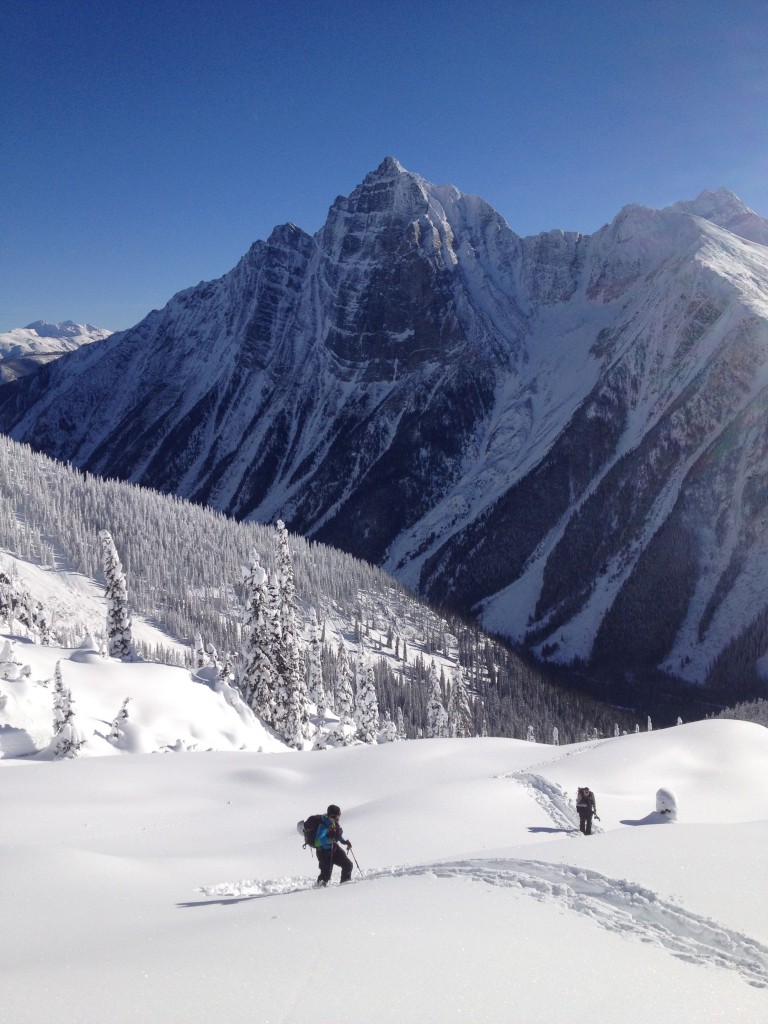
x=726 y=210
x=389 y=167
x=530 y=429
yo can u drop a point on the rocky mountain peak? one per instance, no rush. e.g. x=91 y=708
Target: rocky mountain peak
x=726 y=210
x=532 y=429
x=389 y=167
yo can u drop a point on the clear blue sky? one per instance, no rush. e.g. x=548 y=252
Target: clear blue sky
x=145 y=146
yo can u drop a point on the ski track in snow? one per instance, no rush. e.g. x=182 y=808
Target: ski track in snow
x=619 y=906
x=553 y=799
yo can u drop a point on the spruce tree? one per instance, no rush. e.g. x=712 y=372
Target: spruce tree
x=116 y=733
x=291 y=710
x=119 y=636
x=315 y=685
x=66 y=740
x=199 y=657
x=367 y=708
x=344 y=699
x=400 y=723
x=256 y=676
x=437 y=717
x=460 y=722
x=389 y=729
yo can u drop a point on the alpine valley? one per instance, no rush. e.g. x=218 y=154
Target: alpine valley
x=564 y=435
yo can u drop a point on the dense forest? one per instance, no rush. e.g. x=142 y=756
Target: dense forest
x=184 y=566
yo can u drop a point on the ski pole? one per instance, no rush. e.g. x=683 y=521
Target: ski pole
x=354 y=858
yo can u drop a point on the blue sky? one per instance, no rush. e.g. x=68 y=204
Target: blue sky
x=145 y=146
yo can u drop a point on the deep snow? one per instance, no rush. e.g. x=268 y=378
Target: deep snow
x=173 y=886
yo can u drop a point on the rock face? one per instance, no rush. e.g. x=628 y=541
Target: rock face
x=565 y=434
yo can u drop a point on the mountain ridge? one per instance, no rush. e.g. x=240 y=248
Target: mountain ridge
x=24 y=349
x=508 y=425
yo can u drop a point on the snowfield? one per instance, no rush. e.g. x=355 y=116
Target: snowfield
x=173 y=887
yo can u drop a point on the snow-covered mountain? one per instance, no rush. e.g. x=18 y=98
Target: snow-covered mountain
x=564 y=434
x=24 y=349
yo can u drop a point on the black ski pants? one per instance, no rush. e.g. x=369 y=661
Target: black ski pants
x=327 y=858
x=585 y=821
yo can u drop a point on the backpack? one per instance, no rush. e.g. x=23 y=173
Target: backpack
x=308 y=828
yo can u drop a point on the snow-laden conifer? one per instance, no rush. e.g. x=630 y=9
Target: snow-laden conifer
x=117 y=732
x=256 y=674
x=291 y=705
x=315 y=686
x=10 y=666
x=344 y=702
x=119 y=635
x=199 y=657
x=389 y=729
x=460 y=720
x=400 y=722
x=344 y=694
x=367 y=708
x=437 y=716
x=67 y=740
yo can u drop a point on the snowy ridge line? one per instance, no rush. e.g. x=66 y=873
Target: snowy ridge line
x=579 y=749
x=620 y=906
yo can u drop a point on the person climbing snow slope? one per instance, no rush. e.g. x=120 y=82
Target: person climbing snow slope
x=327 y=844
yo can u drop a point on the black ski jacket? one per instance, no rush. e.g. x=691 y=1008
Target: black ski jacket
x=586 y=803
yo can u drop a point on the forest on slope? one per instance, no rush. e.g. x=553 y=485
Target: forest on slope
x=184 y=565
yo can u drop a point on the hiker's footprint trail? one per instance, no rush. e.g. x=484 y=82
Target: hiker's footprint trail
x=552 y=798
x=615 y=904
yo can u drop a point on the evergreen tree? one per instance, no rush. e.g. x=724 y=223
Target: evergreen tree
x=344 y=700
x=389 y=729
x=199 y=657
x=227 y=670
x=66 y=740
x=437 y=716
x=257 y=677
x=213 y=657
x=116 y=733
x=291 y=708
x=119 y=634
x=367 y=708
x=400 y=723
x=315 y=685
x=460 y=721
x=344 y=695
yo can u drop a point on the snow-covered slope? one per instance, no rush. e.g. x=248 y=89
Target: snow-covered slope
x=174 y=887
x=25 y=349
x=561 y=434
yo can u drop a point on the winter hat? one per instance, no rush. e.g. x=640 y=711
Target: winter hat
x=333 y=811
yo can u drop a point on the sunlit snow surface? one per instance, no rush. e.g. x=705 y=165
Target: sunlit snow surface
x=173 y=886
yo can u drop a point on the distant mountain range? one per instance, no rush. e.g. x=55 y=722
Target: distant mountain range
x=25 y=349
x=564 y=435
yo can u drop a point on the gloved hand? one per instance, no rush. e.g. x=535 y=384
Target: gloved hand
x=349 y=845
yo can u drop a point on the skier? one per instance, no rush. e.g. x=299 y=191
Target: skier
x=585 y=805
x=329 y=836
